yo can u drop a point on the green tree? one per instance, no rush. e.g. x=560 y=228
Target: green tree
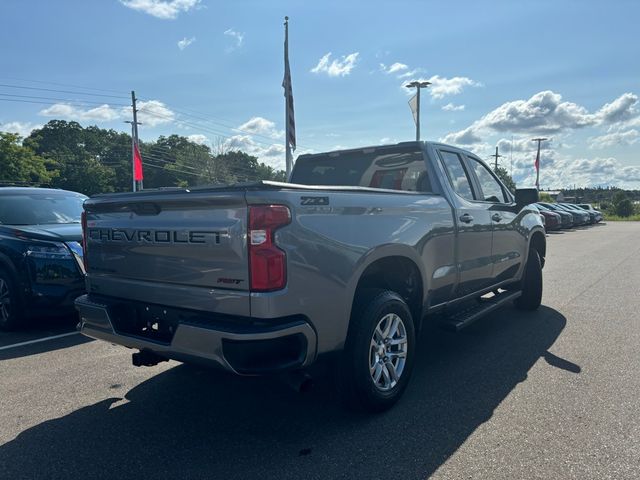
x=622 y=205
x=545 y=197
x=64 y=144
x=503 y=175
x=20 y=165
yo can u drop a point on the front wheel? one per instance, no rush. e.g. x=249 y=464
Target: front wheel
x=376 y=364
x=9 y=311
x=531 y=283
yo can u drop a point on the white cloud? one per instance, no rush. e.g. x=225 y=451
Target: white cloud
x=185 y=42
x=261 y=126
x=337 y=67
x=103 y=113
x=273 y=155
x=450 y=107
x=238 y=38
x=164 y=9
x=626 y=137
x=411 y=73
x=523 y=144
x=622 y=108
x=23 y=129
x=199 y=139
x=393 y=68
x=559 y=169
x=442 y=87
x=151 y=113
x=545 y=113
x=464 y=137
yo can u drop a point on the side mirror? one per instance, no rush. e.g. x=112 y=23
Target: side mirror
x=526 y=196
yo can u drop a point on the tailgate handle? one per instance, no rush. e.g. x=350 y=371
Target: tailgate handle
x=147 y=208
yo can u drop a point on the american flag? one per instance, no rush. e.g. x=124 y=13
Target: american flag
x=288 y=93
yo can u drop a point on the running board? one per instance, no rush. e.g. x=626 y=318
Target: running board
x=466 y=317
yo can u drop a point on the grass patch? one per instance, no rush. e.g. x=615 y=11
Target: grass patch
x=617 y=218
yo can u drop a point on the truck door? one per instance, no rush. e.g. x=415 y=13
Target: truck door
x=473 y=223
x=507 y=243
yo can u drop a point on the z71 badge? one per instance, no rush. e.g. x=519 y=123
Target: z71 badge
x=314 y=200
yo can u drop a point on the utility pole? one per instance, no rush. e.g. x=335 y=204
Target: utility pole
x=539 y=140
x=496 y=156
x=418 y=86
x=134 y=141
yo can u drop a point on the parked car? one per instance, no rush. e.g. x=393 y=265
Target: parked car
x=41 y=269
x=574 y=208
x=344 y=262
x=589 y=208
x=552 y=220
x=566 y=217
x=579 y=218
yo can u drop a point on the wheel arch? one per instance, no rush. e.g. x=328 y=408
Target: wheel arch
x=394 y=269
x=538 y=242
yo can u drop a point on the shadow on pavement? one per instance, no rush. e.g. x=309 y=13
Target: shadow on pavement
x=192 y=423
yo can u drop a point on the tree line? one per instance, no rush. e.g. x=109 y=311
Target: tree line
x=94 y=160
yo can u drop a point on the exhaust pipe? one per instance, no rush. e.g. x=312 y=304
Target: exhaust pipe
x=146 y=358
x=300 y=382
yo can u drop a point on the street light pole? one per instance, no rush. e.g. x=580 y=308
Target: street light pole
x=418 y=85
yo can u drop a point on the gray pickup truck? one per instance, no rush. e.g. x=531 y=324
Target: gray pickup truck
x=349 y=259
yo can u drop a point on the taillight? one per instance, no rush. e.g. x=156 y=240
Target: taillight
x=267 y=263
x=85 y=260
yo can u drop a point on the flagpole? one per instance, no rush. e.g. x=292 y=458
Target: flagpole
x=133 y=156
x=289 y=156
x=539 y=140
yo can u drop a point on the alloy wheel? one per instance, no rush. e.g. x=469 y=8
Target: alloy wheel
x=388 y=352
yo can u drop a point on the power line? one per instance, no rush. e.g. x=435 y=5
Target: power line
x=208 y=118
x=70 y=103
x=60 y=91
x=63 y=85
x=64 y=100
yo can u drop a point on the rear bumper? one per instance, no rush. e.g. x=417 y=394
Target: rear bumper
x=247 y=348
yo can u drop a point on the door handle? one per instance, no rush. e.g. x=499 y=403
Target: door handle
x=466 y=218
x=496 y=217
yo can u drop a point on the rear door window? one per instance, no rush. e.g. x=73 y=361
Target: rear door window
x=457 y=174
x=491 y=189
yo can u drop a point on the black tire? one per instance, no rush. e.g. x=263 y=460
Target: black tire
x=531 y=283
x=357 y=386
x=10 y=313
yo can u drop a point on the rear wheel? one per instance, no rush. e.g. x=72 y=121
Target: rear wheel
x=531 y=283
x=376 y=364
x=9 y=311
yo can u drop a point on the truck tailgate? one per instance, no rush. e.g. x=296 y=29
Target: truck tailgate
x=170 y=240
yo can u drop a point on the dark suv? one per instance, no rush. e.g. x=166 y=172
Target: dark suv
x=41 y=268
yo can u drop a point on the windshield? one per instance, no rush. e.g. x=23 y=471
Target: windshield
x=40 y=208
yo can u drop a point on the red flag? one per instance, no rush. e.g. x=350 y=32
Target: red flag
x=137 y=164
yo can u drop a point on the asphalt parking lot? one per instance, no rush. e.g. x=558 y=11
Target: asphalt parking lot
x=549 y=394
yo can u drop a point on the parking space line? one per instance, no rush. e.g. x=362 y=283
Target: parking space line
x=38 y=340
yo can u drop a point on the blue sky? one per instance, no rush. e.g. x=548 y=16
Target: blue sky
x=211 y=69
